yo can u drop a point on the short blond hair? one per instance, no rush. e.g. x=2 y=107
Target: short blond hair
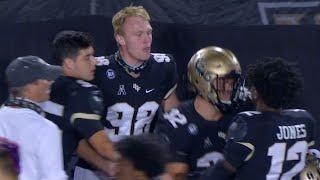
x=131 y=11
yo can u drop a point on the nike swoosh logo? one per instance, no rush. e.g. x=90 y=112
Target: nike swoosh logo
x=149 y=90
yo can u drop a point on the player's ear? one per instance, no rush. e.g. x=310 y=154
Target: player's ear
x=68 y=63
x=120 y=39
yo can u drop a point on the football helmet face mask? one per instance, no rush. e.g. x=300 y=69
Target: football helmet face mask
x=207 y=67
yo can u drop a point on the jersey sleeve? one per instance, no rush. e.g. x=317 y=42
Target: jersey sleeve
x=310 y=124
x=101 y=66
x=55 y=106
x=311 y=128
x=171 y=129
x=172 y=76
x=238 y=148
x=84 y=110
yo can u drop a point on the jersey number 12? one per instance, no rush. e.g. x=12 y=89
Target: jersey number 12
x=279 y=154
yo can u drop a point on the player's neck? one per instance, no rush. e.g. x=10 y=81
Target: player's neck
x=68 y=73
x=129 y=60
x=206 y=109
x=265 y=108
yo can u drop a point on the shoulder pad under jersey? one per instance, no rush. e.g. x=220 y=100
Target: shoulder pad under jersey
x=102 y=61
x=160 y=58
x=238 y=129
x=84 y=83
x=175 y=118
x=249 y=113
x=96 y=101
x=297 y=113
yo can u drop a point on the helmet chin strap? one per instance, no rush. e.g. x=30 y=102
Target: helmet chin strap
x=222 y=106
x=226 y=102
x=128 y=68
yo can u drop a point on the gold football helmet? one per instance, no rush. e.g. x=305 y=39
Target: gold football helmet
x=312 y=169
x=209 y=64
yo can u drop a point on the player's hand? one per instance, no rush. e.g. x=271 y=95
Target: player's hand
x=166 y=176
x=115 y=157
x=110 y=168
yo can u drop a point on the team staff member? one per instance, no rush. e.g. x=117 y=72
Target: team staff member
x=22 y=122
x=75 y=104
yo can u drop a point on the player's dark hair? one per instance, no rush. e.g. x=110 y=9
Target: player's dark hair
x=146 y=152
x=276 y=80
x=69 y=43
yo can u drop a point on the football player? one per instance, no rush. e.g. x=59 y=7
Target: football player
x=75 y=104
x=272 y=142
x=196 y=130
x=142 y=158
x=133 y=81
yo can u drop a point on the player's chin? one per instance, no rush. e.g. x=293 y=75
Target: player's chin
x=89 y=77
x=225 y=96
x=145 y=56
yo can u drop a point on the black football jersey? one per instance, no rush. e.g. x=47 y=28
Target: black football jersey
x=131 y=103
x=192 y=139
x=75 y=106
x=269 y=145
